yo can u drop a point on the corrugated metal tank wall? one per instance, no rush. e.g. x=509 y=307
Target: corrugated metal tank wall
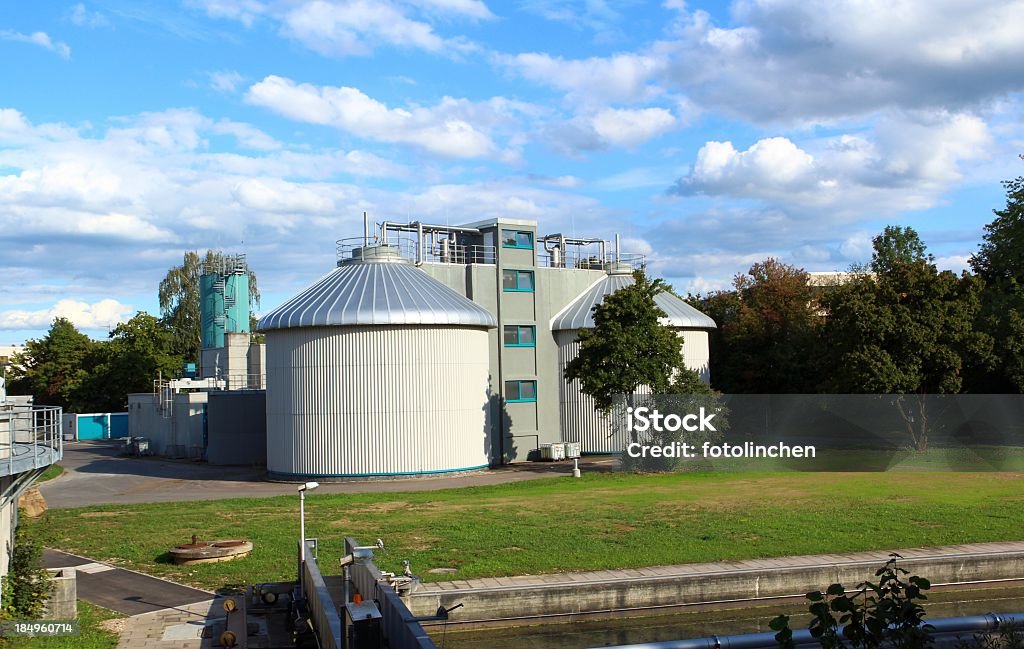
x=697 y=352
x=376 y=401
x=581 y=422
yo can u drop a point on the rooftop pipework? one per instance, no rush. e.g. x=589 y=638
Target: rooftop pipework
x=561 y=251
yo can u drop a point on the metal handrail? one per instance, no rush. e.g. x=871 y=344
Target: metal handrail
x=580 y=259
x=437 y=253
x=245 y=381
x=30 y=436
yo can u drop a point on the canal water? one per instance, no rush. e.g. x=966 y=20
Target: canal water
x=701 y=623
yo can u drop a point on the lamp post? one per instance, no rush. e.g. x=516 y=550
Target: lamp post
x=302 y=531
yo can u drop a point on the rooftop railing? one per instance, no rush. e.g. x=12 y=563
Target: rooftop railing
x=433 y=253
x=583 y=261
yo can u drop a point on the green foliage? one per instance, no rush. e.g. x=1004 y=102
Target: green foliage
x=179 y=300
x=888 y=613
x=54 y=368
x=137 y=352
x=767 y=332
x=628 y=346
x=897 y=247
x=26 y=587
x=1000 y=263
x=904 y=329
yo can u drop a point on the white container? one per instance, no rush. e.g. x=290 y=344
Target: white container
x=552 y=452
x=572 y=450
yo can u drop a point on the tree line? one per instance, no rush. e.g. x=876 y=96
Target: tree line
x=69 y=369
x=896 y=325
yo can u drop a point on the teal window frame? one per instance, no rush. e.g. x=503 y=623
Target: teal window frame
x=519 y=391
x=519 y=283
x=519 y=335
x=516 y=234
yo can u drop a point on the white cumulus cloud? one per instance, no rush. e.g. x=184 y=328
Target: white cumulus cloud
x=447 y=129
x=103 y=314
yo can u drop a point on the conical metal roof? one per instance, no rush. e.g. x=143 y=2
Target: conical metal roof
x=377 y=291
x=580 y=315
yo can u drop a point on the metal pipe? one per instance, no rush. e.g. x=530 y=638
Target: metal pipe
x=616 y=247
x=969 y=624
x=346 y=596
x=419 y=243
x=366 y=230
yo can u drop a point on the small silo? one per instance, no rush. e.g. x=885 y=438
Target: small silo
x=580 y=421
x=376 y=370
x=223 y=299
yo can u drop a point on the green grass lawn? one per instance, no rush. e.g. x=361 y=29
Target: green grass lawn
x=51 y=472
x=601 y=521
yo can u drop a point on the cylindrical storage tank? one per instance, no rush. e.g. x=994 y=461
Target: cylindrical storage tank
x=211 y=311
x=376 y=370
x=581 y=422
x=236 y=303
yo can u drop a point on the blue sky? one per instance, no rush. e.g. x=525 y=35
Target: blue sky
x=711 y=135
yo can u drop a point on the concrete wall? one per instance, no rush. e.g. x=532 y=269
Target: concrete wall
x=237 y=427
x=177 y=432
x=239 y=362
x=63 y=601
x=606 y=593
x=517 y=429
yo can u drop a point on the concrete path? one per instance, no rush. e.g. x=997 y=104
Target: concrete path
x=174 y=628
x=124 y=591
x=96 y=474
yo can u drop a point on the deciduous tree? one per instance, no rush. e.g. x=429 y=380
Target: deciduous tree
x=628 y=346
x=1000 y=263
x=179 y=300
x=904 y=328
x=53 y=368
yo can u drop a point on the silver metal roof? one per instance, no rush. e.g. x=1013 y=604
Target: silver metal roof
x=580 y=315
x=377 y=292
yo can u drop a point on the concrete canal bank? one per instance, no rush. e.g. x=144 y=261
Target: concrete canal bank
x=644 y=591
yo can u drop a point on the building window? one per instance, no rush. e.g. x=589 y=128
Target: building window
x=520 y=336
x=517 y=280
x=520 y=391
x=516 y=239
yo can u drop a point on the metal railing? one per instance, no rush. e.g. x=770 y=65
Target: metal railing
x=246 y=381
x=579 y=259
x=433 y=253
x=30 y=437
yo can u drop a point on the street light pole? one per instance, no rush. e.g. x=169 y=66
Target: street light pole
x=302 y=532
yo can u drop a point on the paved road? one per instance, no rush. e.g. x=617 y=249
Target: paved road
x=122 y=590
x=96 y=474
